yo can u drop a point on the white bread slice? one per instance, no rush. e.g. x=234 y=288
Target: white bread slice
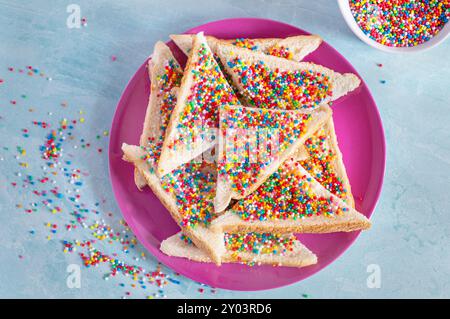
x=273 y=82
x=194 y=121
x=299 y=256
x=208 y=241
x=241 y=174
x=279 y=206
x=297 y=46
x=321 y=157
x=165 y=77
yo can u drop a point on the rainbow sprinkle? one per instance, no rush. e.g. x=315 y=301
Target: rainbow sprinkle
x=276 y=50
x=245 y=43
x=95 y=257
x=400 y=23
x=286 y=194
x=259 y=243
x=52 y=149
x=186 y=239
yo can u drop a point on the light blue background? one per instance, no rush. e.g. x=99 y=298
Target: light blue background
x=411 y=228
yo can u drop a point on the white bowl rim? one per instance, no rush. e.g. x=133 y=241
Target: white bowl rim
x=344 y=6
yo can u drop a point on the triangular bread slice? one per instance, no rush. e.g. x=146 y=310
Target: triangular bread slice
x=269 y=249
x=267 y=81
x=194 y=121
x=322 y=158
x=254 y=142
x=293 y=48
x=191 y=215
x=165 y=77
x=291 y=201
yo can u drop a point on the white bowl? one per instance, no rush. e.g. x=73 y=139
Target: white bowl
x=344 y=6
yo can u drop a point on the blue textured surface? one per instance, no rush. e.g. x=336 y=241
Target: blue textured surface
x=411 y=230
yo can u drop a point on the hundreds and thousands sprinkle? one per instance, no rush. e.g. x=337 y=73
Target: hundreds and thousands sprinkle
x=256 y=243
x=272 y=88
x=260 y=243
x=400 y=23
x=95 y=257
x=277 y=130
x=52 y=148
x=245 y=43
x=286 y=194
x=280 y=51
x=276 y=50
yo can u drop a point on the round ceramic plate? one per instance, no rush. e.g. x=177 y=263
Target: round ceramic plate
x=361 y=140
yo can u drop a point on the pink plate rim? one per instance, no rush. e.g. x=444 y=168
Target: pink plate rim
x=114 y=141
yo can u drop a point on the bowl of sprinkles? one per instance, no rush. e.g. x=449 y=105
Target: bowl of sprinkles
x=398 y=25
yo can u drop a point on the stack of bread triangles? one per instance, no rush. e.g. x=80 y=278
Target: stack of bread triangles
x=240 y=147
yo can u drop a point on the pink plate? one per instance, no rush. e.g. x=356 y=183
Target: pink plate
x=361 y=139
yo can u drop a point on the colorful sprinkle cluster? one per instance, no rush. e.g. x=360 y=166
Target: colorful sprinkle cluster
x=280 y=51
x=52 y=149
x=209 y=91
x=267 y=88
x=286 y=194
x=400 y=23
x=276 y=50
x=320 y=163
x=102 y=231
x=186 y=239
x=275 y=130
x=193 y=185
x=260 y=243
x=170 y=79
x=95 y=257
x=167 y=98
x=245 y=43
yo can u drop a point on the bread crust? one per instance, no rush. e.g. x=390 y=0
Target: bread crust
x=300 y=46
